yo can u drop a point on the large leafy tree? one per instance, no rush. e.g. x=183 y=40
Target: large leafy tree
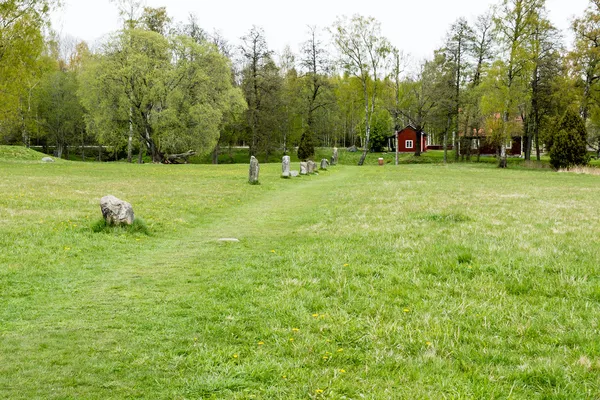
x=172 y=91
x=22 y=23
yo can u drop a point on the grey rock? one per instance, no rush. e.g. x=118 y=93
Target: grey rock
x=303 y=168
x=294 y=174
x=254 y=171
x=334 y=158
x=324 y=163
x=352 y=149
x=285 y=167
x=47 y=159
x=229 y=240
x=312 y=166
x=115 y=211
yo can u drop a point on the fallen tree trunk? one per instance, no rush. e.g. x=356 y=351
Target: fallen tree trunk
x=178 y=158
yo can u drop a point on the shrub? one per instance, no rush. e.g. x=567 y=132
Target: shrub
x=306 y=149
x=138 y=226
x=568 y=143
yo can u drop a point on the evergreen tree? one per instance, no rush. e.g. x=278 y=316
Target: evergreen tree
x=568 y=144
x=306 y=150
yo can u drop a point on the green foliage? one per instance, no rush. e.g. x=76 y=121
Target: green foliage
x=138 y=227
x=306 y=149
x=568 y=146
x=22 y=25
x=382 y=126
x=176 y=92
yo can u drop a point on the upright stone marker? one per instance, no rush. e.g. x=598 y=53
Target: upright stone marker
x=115 y=211
x=311 y=166
x=254 y=170
x=324 y=163
x=303 y=168
x=285 y=167
x=334 y=159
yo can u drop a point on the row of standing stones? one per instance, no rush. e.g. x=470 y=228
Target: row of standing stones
x=306 y=168
x=118 y=212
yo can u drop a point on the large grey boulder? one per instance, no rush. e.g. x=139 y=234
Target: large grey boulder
x=254 y=170
x=285 y=167
x=47 y=159
x=303 y=168
x=312 y=166
x=115 y=211
x=352 y=149
x=324 y=163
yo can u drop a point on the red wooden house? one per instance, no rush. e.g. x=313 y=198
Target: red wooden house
x=407 y=139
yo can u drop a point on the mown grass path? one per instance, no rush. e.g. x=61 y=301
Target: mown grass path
x=380 y=283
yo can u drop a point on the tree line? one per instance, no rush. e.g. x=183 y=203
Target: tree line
x=170 y=89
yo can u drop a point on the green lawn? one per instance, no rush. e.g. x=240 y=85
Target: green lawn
x=410 y=282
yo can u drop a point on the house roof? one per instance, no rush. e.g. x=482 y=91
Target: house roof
x=414 y=128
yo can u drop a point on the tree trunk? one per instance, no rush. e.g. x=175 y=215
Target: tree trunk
x=215 y=155
x=419 y=133
x=99 y=153
x=130 y=139
x=445 y=147
x=141 y=154
x=538 y=153
x=502 y=159
x=397 y=150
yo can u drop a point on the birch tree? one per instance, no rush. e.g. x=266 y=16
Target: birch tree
x=363 y=51
x=515 y=23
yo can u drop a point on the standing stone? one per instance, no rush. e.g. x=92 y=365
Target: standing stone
x=303 y=168
x=115 y=211
x=311 y=166
x=254 y=170
x=285 y=167
x=47 y=159
x=324 y=163
x=334 y=159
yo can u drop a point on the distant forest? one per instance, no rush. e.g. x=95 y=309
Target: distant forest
x=159 y=88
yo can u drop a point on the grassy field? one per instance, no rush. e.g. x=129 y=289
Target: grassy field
x=409 y=282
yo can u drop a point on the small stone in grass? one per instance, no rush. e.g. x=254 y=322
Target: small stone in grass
x=229 y=240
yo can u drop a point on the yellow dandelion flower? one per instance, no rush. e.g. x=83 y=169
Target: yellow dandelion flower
x=340 y=350
x=342 y=371
x=273 y=251
x=235 y=356
x=291 y=339
x=319 y=391
x=295 y=329
x=428 y=343
x=315 y=315
x=261 y=343
x=325 y=357
x=346 y=265
x=284 y=377
x=406 y=310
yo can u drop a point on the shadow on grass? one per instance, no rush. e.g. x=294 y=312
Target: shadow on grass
x=138 y=227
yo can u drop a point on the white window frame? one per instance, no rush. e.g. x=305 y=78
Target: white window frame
x=411 y=142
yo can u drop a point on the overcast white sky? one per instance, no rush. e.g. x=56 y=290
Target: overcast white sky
x=415 y=26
